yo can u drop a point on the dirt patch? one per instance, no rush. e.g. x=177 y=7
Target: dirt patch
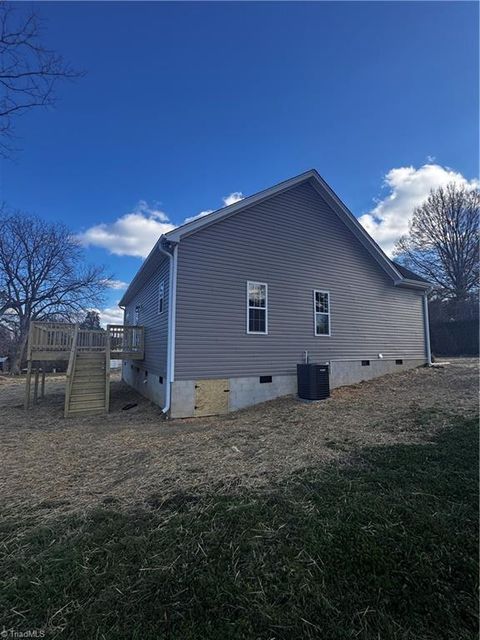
x=135 y=456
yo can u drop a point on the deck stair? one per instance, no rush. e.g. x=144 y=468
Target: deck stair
x=88 y=353
x=88 y=392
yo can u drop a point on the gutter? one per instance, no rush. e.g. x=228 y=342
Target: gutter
x=412 y=284
x=427 y=329
x=172 y=312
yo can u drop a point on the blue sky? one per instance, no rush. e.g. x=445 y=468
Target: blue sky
x=184 y=104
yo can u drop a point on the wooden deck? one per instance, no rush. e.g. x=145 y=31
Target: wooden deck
x=88 y=353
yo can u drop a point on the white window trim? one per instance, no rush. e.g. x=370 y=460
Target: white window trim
x=161 y=286
x=329 y=314
x=136 y=315
x=264 y=284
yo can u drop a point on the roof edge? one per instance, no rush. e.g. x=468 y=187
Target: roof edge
x=138 y=276
x=219 y=214
x=322 y=188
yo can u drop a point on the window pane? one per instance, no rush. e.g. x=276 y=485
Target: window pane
x=257 y=320
x=322 y=323
x=256 y=295
x=321 y=302
x=160 y=298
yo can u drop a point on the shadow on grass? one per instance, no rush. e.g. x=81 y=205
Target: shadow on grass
x=384 y=549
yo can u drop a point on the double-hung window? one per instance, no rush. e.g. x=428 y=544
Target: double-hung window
x=161 y=297
x=257 y=307
x=321 y=312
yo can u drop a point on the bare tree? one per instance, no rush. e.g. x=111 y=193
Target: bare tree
x=43 y=276
x=443 y=242
x=29 y=72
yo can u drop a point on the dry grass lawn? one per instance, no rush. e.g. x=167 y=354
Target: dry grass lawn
x=352 y=519
x=136 y=456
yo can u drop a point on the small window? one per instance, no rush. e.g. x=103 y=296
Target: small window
x=321 y=312
x=398 y=361
x=264 y=379
x=365 y=363
x=160 y=379
x=257 y=307
x=136 y=318
x=161 y=297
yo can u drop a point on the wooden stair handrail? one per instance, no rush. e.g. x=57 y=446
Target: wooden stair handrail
x=71 y=369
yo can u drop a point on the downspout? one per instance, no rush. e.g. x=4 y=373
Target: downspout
x=427 y=328
x=172 y=296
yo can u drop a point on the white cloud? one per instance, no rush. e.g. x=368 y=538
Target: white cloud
x=115 y=284
x=233 y=197
x=110 y=315
x=133 y=234
x=202 y=214
x=408 y=188
x=153 y=212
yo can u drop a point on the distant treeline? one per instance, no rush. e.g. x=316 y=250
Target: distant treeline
x=454 y=337
x=454 y=327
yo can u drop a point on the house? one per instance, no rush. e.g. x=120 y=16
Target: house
x=231 y=301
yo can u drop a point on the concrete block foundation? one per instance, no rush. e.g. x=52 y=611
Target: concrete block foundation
x=345 y=372
x=182 y=402
x=248 y=391
x=148 y=384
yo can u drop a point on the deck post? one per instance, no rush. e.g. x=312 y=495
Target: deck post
x=35 y=389
x=28 y=382
x=42 y=390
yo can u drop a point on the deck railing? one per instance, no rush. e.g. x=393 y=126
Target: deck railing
x=50 y=336
x=91 y=340
x=124 y=340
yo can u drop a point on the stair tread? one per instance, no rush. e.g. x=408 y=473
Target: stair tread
x=94 y=394
x=78 y=411
x=87 y=406
x=86 y=372
x=90 y=363
x=91 y=355
x=85 y=375
x=88 y=384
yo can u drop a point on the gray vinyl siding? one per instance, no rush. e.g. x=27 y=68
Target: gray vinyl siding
x=156 y=325
x=295 y=243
